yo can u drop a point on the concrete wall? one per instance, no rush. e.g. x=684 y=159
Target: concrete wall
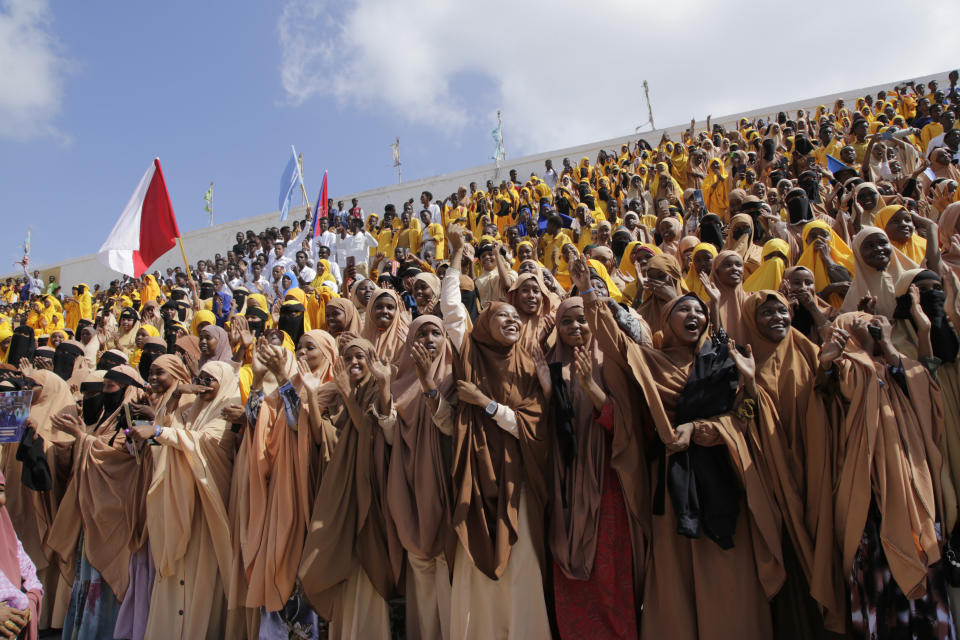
x=204 y=243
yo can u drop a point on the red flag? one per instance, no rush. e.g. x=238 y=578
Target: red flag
x=321 y=209
x=146 y=230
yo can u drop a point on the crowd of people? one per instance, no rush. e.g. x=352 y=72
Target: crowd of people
x=703 y=390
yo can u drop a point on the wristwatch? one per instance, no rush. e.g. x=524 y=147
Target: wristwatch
x=431 y=394
x=491 y=408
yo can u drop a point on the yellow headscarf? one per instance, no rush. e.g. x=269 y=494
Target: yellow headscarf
x=325 y=276
x=6 y=331
x=150 y=290
x=517 y=261
x=692 y=280
x=769 y=274
x=810 y=258
x=613 y=289
x=915 y=248
x=627 y=265
x=202 y=316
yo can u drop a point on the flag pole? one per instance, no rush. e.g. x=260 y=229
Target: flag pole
x=303 y=189
x=184 y=254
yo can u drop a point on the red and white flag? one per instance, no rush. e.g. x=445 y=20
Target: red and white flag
x=146 y=229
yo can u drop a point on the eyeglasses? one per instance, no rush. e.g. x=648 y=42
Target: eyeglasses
x=204 y=381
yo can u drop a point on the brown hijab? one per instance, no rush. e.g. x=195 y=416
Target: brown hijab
x=577 y=487
x=731 y=298
x=352 y=324
x=387 y=343
x=651 y=309
x=489 y=464
x=532 y=325
x=887 y=452
x=795 y=452
x=274 y=485
x=419 y=490
x=350 y=521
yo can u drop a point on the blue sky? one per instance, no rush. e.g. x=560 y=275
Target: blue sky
x=220 y=90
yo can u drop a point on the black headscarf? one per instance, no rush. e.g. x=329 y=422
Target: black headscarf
x=798 y=206
x=151 y=351
x=711 y=230
x=109 y=360
x=809 y=181
x=64 y=358
x=22 y=345
x=943 y=339
x=291 y=320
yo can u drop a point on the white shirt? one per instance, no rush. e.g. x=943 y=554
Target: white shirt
x=251 y=284
x=550 y=177
x=435 y=214
x=356 y=246
x=327 y=239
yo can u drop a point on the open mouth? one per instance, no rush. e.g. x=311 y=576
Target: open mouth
x=355 y=369
x=691 y=325
x=511 y=329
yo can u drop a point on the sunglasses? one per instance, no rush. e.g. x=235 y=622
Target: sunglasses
x=204 y=381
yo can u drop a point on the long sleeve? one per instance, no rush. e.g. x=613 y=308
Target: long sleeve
x=454 y=314
x=295 y=243
x=387 y=422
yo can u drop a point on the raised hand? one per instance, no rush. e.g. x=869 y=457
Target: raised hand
x=579 y=274
x=341 y=378
x=746 y=365
x=379 y=368
x=68 y=424
x=833 y=347
x=916 y=311
x=543 y=370
x=582 y=365
x=310 y=380
x=867 y=304
x=422 y=359
x=273 y=359
x=712 y=291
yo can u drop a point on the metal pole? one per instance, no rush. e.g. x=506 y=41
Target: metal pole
x=646 y=92
x=303 y=189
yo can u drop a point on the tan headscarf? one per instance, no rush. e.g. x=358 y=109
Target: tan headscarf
x=349 y=521
x=419 y=490
x=577 y=490
x=796 y=452
x=353 y=323
x=886 y=451
x=389 y=342
x=731 y=299
x=867 y=281
x=651 y=309
x=192 y=476
x=274 y=484
x=532 y=325
x=490 y=465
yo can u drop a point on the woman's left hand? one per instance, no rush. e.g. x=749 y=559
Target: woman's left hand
x=543 y=370
x=471 y=394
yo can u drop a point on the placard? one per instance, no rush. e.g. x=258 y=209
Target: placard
x=14 y=411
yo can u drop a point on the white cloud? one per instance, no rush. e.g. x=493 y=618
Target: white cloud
x=570 y=72
x=31 y=70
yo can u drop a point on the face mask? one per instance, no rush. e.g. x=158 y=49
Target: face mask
x=739 y=232
x=92 y=406
x=112 y=401
x=799 y=209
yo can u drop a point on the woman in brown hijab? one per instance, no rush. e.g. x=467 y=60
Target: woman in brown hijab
x=740 y=239
x=589 y=529
x=697 y=392
x=795 y=450
x=530 y=297
x=661 y=285
x=887 y=507
x=101 y=503
x=500 y=467
x=33 y=512
x=418 y=487
x=277 y=470
x=386 y=324
x=169 y=383
x=342 y=315
x=727 y=276
x=809 y=313
x=186 y=510
x=352 y=558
